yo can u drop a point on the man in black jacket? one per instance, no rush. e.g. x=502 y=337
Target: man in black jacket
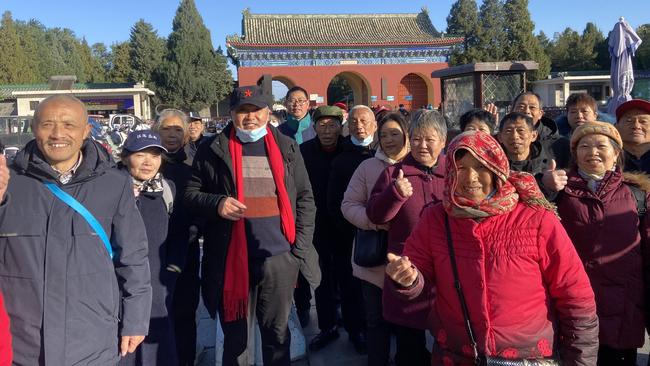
x=319 y=154
x=358 y=147
x=250 y=185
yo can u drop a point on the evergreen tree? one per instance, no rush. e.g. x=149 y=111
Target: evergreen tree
x=544 y=41
x=32 y=40
x=463 y=21
x=563 y=51
x=13 y=68
x=146 y=51
x=193 y=76
x=103 y=56
x=92 y=66
x=521 y=43
x=587 y=48
x=120 y=71
x=492 y=38
x=642 y=59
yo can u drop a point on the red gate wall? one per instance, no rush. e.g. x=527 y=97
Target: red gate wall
x=315 y=79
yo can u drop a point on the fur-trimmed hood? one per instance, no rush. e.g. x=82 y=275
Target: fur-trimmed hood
x=639 y=179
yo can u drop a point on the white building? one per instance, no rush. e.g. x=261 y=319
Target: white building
x=557 y=88
x=99 y=98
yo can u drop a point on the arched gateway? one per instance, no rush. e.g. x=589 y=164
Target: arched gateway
x=376 y=58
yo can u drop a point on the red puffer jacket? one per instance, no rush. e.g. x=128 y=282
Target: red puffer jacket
x=520 y=275
x=604 y=227
x=5 y=336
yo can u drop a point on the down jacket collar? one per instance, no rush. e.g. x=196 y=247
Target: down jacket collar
x=30 y=161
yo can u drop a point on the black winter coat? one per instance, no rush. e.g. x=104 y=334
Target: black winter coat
x=177 y=167
x=319 y=166
x=343 y=168
x=62 y=290
x=212 y=180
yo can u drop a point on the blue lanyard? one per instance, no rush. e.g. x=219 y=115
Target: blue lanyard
x=81 y=210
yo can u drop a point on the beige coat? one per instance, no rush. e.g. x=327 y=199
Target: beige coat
x=353 y=208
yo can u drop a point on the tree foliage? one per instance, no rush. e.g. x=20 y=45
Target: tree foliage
x=193 y=75
x=492 y=38
x=120 y=62
x=573 y=51
x=146 y=52
x=643 y=52
x=521 y=43
x=463 y=21
x=13 y=69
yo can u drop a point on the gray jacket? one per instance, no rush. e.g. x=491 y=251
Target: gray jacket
x=67 y=301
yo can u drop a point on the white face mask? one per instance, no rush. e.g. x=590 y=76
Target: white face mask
x=365 y=142
x=251 y=135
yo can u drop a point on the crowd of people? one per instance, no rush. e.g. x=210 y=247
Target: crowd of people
x=517 y=240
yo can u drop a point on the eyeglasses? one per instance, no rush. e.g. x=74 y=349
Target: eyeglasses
x=297 y=101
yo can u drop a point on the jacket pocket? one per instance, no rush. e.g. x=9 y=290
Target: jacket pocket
x=22 y=246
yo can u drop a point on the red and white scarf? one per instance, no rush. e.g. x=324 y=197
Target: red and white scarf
x=510 y=187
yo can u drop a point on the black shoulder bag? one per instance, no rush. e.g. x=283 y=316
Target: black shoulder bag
x=370 y=248
x=482 y=359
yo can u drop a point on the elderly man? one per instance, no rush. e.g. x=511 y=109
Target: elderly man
x=298 y=124
x=358 y=147
x=319 y=154
x=74 y=244
x=250 y=185
x=633 y=123
x=195 y=130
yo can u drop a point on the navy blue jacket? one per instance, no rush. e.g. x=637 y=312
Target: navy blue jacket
x=64 y=295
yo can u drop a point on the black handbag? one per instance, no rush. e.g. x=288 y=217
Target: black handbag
x=370 y=248
x=482 y=359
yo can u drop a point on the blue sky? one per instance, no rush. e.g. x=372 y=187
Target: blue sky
x=110 y=21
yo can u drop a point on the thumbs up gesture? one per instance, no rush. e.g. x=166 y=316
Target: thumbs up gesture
x=403 y=186
x=4 y=176
x=554 y=179
x=400 y=270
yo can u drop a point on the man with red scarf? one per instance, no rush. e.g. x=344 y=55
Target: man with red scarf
x=251 y=186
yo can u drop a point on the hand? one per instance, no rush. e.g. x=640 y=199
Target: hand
x=554 y=179
x=404 y=187
x=494 y=111
x=129 y=344
x=4 y=176
x=231 y=209
x=384 y=227
x=400 y=270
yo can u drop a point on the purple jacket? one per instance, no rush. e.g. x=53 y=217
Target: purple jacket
x=605 y=230
x=386 y=205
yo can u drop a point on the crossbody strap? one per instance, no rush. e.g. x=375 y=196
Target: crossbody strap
x=459 y=291
x=81 y=210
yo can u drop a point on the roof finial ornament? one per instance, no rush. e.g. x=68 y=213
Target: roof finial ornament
x=425 y=9
x=246 y=12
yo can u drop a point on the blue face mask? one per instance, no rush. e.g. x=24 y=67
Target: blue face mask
x=246 y=136
x=365 y=142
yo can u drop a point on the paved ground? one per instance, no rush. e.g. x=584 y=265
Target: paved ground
x=339 y=353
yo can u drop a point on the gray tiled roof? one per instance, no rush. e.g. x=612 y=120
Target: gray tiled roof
x=338 y=29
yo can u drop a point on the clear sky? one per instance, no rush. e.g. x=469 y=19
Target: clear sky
x=110 y=21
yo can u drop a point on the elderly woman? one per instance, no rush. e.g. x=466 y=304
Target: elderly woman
x=141 y=158
x=397 y=200
x=172 y=125
x=599 y=208
x=508 y=281
x=393 y=146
